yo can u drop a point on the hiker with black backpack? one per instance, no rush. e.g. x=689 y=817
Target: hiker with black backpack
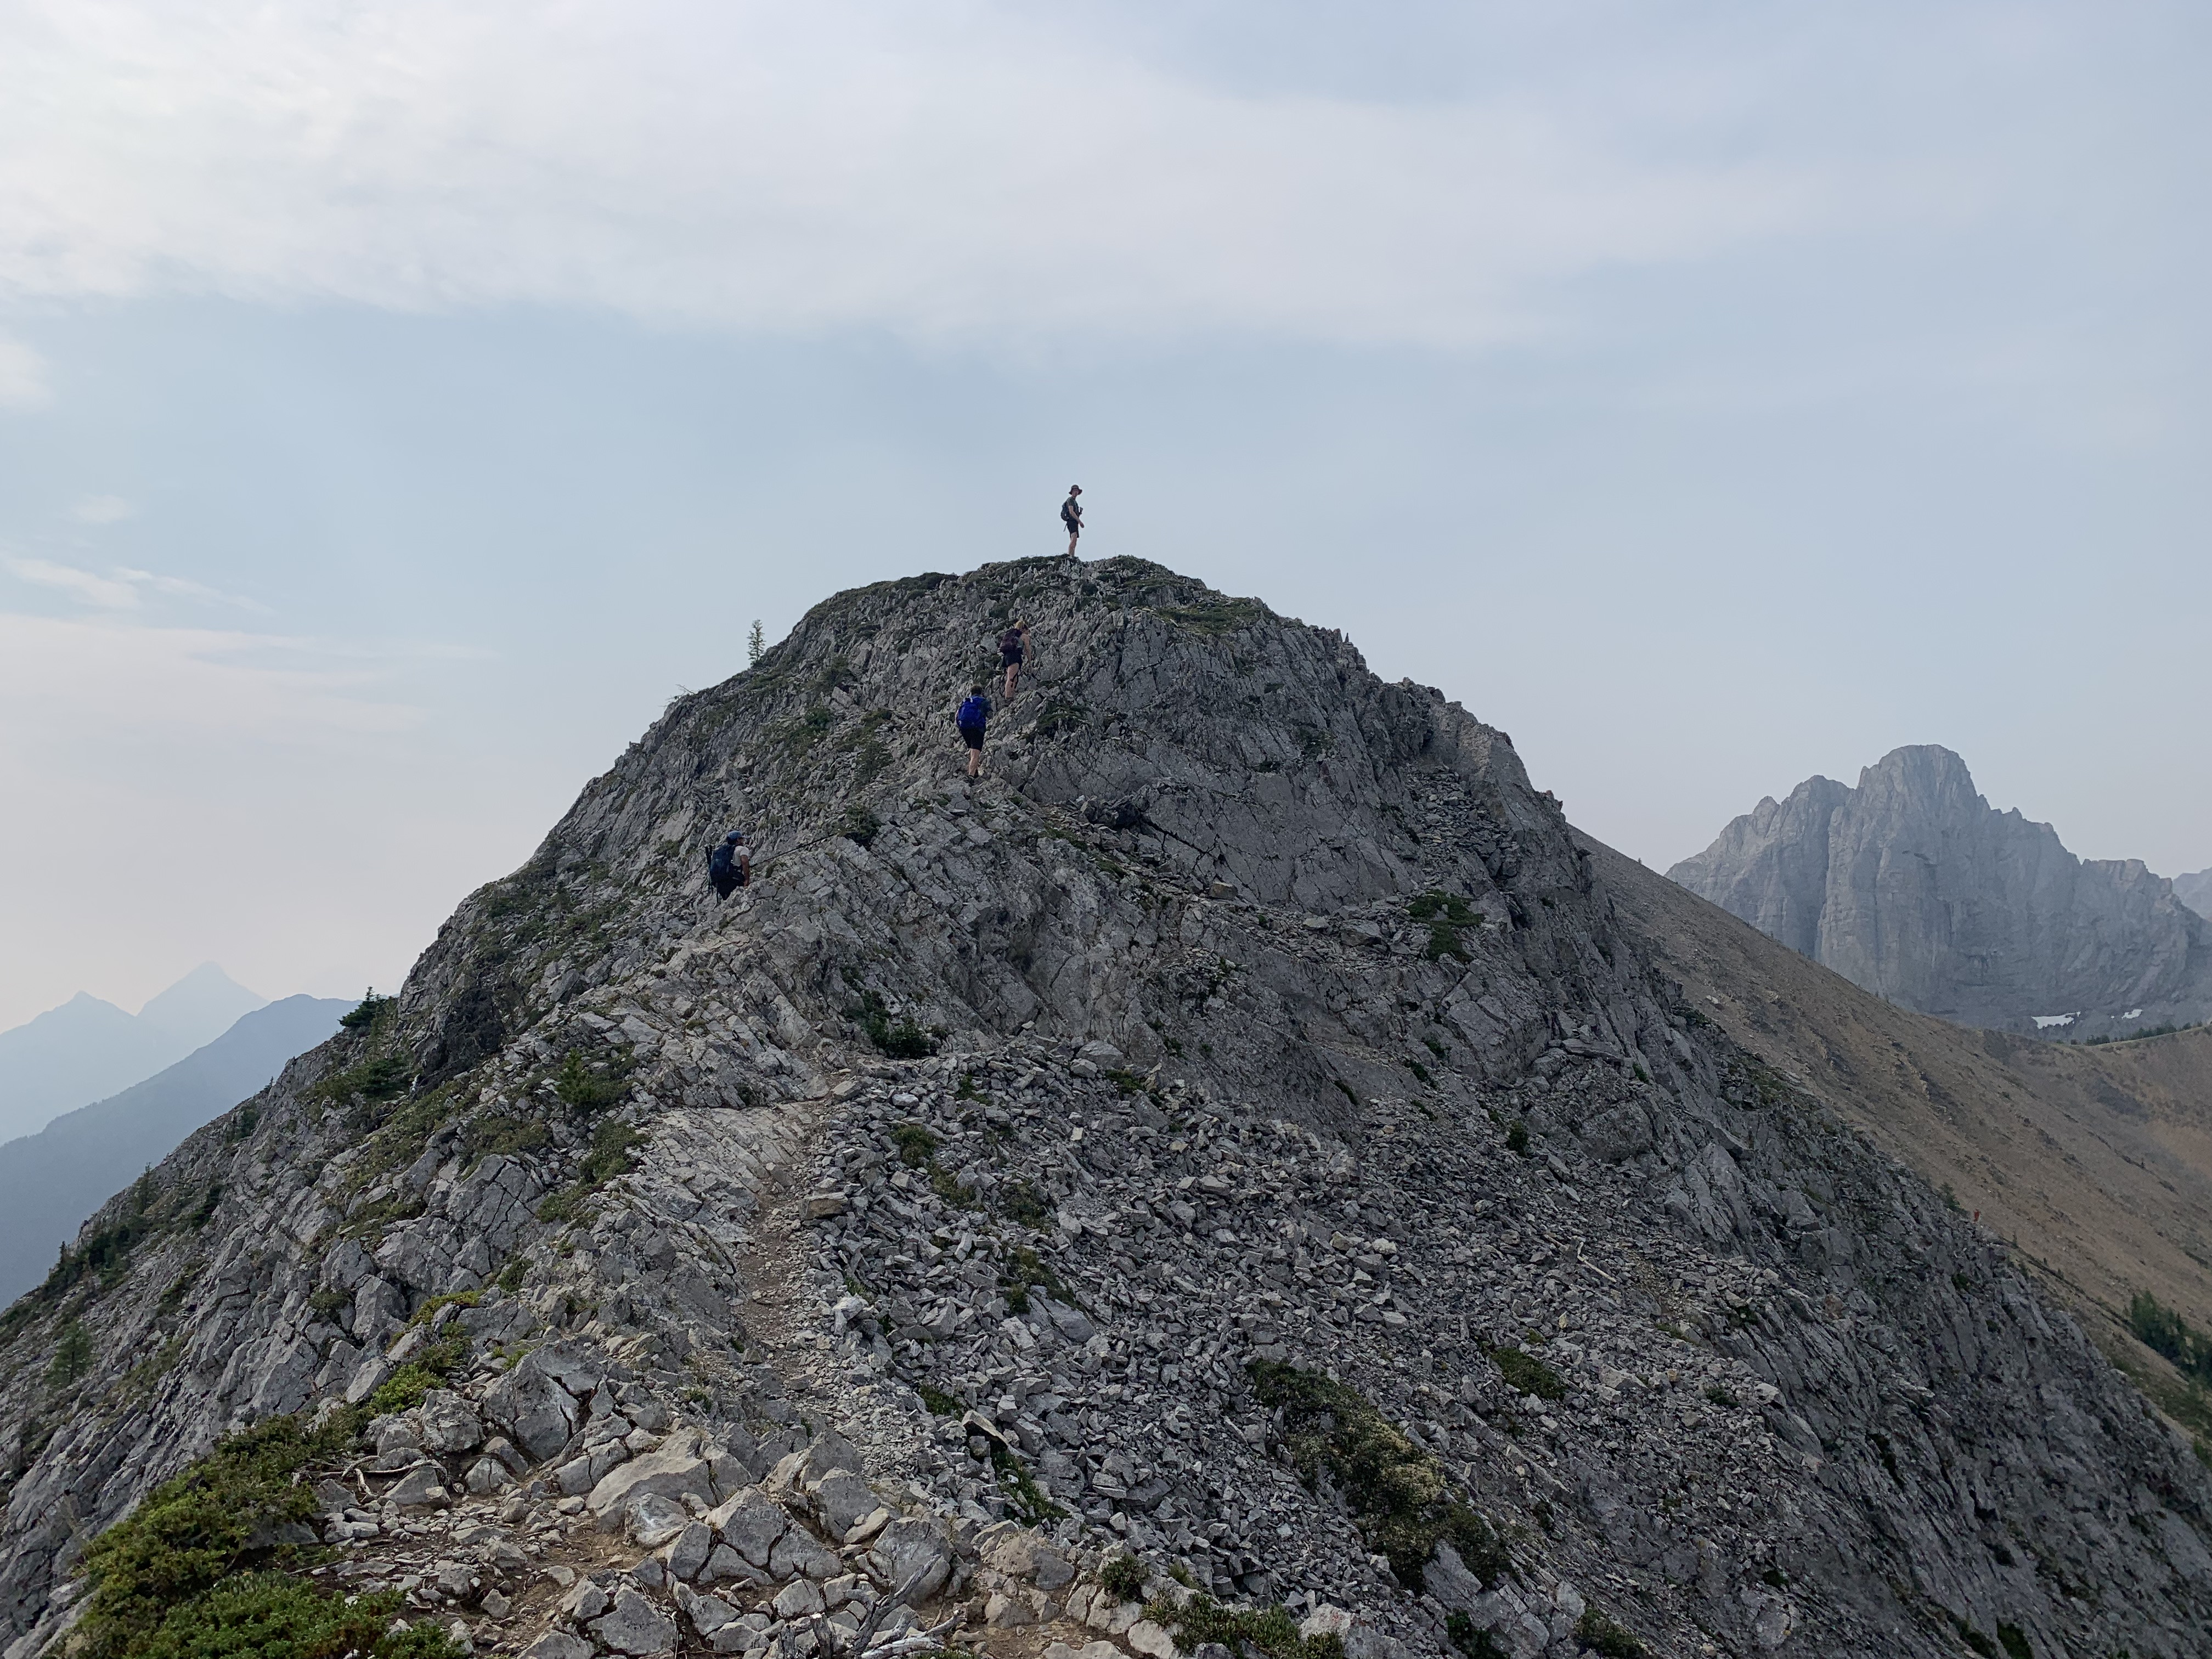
x=974 y=714
x=1070 y=515
x=730 y=865
x=1014 y=650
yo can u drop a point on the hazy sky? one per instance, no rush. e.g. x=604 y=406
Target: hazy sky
x=398 y=402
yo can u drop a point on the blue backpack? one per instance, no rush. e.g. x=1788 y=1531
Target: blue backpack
x=974 y=711
x=718 y=862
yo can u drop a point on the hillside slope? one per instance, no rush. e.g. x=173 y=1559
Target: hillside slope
x=1913 y=886
x=50 y=1182
x=1238 y=1134
x=2097 y=1160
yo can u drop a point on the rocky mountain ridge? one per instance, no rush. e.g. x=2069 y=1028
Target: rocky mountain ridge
x=1913 y=886
x=1230 y=1160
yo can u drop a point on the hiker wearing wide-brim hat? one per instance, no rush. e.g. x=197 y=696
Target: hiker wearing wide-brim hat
x=1070 y=515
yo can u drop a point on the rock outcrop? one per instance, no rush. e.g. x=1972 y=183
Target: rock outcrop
x=1913 y=887
x=1230 y=1160
x=2195 y=890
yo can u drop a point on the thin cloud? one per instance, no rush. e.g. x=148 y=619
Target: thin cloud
x=103 y=509
x=940 y=172
x=108 y=591
x=22 y=376
x=121 y=589
x=80 y=681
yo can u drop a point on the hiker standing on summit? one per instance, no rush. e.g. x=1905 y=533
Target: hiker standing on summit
x=974 y=714
x=1070 y=515
x=1014 y=650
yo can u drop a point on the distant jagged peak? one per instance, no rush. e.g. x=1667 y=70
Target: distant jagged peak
x=1912 y=885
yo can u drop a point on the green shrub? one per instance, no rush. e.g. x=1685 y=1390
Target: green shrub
x=903 y=1040
x=1022 y=1202
x=860 y=825
x=1600 y=1635
x=1460 y=1630
x=937 y=1402
x=198 y=1529
x=1397 y=1493
x=613 y=1152
x=1517 y=1138
x=2013 y=1640
x=2166 y=1332
x=1528 y=1373
x=1270 y=1630
x=368 y=1012
x=594 y=1085
x=270 y=1615
x=1124 y=1577
x=405 y=1389
x=914 y=1143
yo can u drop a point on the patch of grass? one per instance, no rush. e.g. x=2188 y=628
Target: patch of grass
x=915 y=1145
x=1019 y=1201
x=860 y=825
x=594 y=1085
x=613 y=1152
x=937 y=1402
x=511 y=1275
x=1460 y=1630
x=1528 y=1373
x=1428 y=1079
x=375 y=1218
x=1024 y=1497
x=142 y=1378
x=1271 y=1631
x=405 y=1389
x=1720 y=1397
x=1397 y=1493
x=2013 y=1640
x=381 y=1077
x=901 y=1039
x=1025 y=1271
x=197 y=1533
x=1600 y=1635
x=1124 y=1577
x=502 y=1133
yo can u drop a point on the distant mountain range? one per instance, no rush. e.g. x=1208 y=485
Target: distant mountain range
x=2196 y=891
x=87 y=1049
x=1913 y=886
x=52 y=1181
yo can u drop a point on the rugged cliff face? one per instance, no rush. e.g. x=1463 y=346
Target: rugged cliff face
x=1230 y=1156
x=1913 y=886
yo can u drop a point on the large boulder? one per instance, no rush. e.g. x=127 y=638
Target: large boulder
x=915 y=1557
x=533 y=1407
x=672 y=1469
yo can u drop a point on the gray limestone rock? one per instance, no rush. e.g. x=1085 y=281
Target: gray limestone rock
x=1913 y=886
x=635 y=1627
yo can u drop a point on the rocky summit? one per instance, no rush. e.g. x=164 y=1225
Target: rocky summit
x=1914 y=887
x=1224 y=1183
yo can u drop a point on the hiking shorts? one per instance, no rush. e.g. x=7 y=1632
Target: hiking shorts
x=972 y=735
x=1010 y=658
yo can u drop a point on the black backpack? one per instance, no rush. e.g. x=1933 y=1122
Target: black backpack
x=721 y=862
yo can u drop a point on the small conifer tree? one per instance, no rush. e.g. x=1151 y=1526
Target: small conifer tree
x=756 y=644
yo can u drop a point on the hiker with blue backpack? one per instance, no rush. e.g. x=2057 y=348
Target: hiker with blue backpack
x=974 y=714
x=730 y=865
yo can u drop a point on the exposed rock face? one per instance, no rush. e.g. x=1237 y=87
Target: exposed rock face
x=1286 y=1052
x=1913 y=887
x=2195 y=890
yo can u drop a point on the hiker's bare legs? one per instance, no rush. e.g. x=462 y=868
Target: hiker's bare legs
x=1012 y=670
x=974 y=762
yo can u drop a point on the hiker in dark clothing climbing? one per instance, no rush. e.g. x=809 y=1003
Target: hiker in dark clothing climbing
x=1013 y=651
x=974 y=712
x=1070 y=515
x=729 y=865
